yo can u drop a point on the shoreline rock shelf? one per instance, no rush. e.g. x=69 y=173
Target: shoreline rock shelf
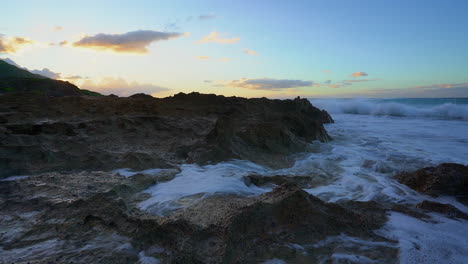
x=39 y=134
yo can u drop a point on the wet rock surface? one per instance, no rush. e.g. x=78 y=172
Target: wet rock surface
x=446 y=209
x=445 y=179
x=42 y=134
x=92 y=217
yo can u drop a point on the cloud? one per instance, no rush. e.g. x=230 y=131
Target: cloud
x=12 y=45
x=251 y=52
x=207 y=81
x=338 y=85
x=47 y=73
x=74 y=77
x=215 y=37
x=445 y=85
x=206 y=17
x=327 y=71
x=44 y=72
x=10 y=61
x=267 y=84
x=359 y=74
x=327 y=82
x=57 y=28
x=63 y=43
x=202 y=58
x=122 y=87
x=130 y=42
x=361 y=80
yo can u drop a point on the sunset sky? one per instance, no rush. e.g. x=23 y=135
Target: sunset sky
x=276 y=49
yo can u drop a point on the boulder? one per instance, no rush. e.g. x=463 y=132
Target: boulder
x=445 y=179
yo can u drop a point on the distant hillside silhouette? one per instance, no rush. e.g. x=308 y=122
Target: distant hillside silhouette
x=16 y=80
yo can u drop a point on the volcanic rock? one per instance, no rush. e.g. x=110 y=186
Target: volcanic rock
x=445 y=179
x=42 y=134
x=446 y=209
x=91 y=217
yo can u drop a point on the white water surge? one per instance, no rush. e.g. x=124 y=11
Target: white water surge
x=370 y=144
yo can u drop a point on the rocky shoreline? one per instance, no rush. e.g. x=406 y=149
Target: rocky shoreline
x=73 y=208
x=41 y=134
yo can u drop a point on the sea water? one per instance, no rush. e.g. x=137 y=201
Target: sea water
x=373 y=139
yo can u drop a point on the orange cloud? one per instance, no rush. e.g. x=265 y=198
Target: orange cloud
x=13 y=44
x=251 y=52
x=57 y=28
x=202 y=58
x=215 y=37
x=130 y=42
x=359 y=74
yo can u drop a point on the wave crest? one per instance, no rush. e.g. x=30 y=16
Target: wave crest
x=449 y=111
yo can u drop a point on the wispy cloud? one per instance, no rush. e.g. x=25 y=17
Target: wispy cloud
x=251 y=52
x=266 y=84
x=57 y=28
x=44 y=72
x=361 y=80
x=207 y=17
x=73 y=77
x=202 y=58
x=327 y=71
x=130 y=42
x=446 y=90
x=444 y=85
x=359 y=74
x=47 y=73
x=215 y=37
x=122 y=87
x=12 y=45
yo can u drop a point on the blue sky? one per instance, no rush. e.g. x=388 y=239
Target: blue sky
x=260 y=48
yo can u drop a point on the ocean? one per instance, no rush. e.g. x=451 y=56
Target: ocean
x=373 y=139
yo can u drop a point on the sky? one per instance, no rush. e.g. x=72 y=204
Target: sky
x=274 y=49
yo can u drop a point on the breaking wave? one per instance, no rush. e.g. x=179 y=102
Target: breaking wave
x=438 y=110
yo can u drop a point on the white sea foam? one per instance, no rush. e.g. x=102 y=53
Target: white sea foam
x=442 y=241
x=15 y=178
x=129 y=172
x=359 y=164
x=393 y=108
x=144 y=259
x=193 y=180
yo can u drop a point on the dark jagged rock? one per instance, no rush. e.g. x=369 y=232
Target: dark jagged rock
x=40 y=134
x=141 y=96
x=446 y=209
x=326 y=118
x=260 y=180
x=91 y=217
x=445 y=179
